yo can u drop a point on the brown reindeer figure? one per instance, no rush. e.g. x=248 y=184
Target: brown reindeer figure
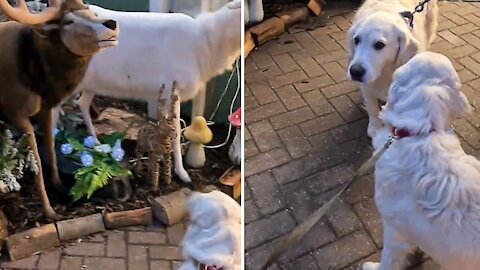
x=43 y=57
x=156 y=139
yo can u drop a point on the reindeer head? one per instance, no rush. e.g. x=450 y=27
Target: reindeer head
x=79 y=28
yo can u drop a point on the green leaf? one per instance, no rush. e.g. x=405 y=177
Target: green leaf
x=83 y=180
x=77 y=146
x=112 y=138
x=99 y=180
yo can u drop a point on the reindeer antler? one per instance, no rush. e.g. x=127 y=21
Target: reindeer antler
x=76 y=4
x=21 y=13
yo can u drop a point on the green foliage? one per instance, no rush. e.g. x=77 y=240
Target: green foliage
x=15 y=158
x=98 y=175
x=112 y=138
x=90 y=179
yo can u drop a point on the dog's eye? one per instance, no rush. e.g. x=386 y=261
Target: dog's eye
x=356 y=40
x=68 y=22
x=378 y=45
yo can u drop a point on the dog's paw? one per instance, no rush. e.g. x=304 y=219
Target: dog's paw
x=370 y=266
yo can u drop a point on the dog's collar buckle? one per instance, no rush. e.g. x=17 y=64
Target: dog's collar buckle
x=408 y=17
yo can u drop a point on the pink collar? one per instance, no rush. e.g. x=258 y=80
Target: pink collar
x=202 y=266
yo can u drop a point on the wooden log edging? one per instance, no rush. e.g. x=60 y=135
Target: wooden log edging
x=169 y=209
x=40 y=239
x=27 y=243
x=276 y=25
x=75 y=228
x=128 y=218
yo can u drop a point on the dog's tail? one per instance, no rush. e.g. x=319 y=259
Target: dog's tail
x=431 y=20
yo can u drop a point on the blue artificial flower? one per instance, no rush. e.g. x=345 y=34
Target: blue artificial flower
x=117 y=152
x=89 y=142
x=66 y=149
x=87 y=159
x=55 y=132
x=118 y=144
x=104 y=148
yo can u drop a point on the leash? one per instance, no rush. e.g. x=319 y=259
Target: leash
x=408 y=15
x=301 y=230
x=420 y=7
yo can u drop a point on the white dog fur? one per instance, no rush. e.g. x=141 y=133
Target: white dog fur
x=214 y=236
x=380 y=21
x=156 y=49
x=427 y=188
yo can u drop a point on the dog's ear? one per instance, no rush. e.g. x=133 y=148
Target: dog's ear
x=351 y=44
x=461 y=106
x=408 y=46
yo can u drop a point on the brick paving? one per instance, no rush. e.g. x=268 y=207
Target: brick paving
x=306 y=132
x=133 y=248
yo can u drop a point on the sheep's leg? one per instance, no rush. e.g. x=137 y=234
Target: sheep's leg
x=152 y=109
x=84 y=102
x=24 y=125
x=177 y=146
x=56 y=115
x=49 y=141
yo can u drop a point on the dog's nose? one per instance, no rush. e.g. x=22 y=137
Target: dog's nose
x=357 y=72
x=111 y=24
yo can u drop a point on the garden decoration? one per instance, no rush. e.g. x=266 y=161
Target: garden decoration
x=97 y=164
x=15 y=158
x=157 y=140
x=235 y=151
x=198 y=134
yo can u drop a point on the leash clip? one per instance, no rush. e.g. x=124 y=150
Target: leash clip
x=408 y=17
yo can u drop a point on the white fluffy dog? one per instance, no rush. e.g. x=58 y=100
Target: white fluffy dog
x=380 y=41
x=213 y=240
x=426 y=188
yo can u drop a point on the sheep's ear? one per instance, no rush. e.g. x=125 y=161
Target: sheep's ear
x=408 y=46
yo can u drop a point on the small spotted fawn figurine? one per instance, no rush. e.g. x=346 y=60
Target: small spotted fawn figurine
x=156 y=140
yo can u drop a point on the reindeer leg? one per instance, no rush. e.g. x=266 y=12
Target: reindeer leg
x=177 y=146
x=84 y=103
x=49 y=141
x=24 y=125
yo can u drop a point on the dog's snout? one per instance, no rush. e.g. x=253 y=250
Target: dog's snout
x=110 y=24
x=357 y=72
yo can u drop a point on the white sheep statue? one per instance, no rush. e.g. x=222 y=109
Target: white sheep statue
x=253 y=11
x=158 y=49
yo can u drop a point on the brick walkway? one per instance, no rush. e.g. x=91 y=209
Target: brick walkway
x=135 y=248
x=307 y=132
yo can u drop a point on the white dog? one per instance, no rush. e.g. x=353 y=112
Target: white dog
x=213 y=240
x=426 y=188
x=380 y=41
